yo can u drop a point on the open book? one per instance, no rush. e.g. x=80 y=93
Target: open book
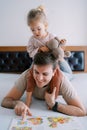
x=45 y=123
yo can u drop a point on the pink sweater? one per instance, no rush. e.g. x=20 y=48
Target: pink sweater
x=34 y=44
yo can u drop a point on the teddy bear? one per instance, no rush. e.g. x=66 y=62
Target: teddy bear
x=56 y=46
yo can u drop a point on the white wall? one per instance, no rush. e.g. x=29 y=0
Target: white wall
x=67 y=19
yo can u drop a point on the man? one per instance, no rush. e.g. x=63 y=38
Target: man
x=48 y=82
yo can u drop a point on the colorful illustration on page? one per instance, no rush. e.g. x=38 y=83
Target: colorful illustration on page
x=29 y=124
x=53 y=121
x=35 y=120
x=21 y=128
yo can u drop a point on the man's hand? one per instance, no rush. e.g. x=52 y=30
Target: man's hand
x=50 y=98
x=22 y=109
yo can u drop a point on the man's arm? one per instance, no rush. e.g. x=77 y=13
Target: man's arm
x=74 y=107
x=12 y=100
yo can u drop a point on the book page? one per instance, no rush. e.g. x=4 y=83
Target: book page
x=43 y=123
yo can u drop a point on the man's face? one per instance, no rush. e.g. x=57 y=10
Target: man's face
x=43 y=74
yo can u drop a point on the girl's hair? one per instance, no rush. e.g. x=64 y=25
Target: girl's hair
x=45 y=58
x=37 y=14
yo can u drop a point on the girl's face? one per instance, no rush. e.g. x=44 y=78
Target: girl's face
x=43 y=74
x=38 y=29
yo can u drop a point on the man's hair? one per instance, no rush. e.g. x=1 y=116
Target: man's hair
x=45 y=58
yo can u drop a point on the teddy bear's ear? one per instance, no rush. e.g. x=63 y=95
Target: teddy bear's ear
x=57 y=39
x=67 y=54
x=59 y=42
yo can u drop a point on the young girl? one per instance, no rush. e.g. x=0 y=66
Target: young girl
x=37 y=21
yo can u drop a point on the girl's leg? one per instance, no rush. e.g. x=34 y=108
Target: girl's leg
x=65 y=68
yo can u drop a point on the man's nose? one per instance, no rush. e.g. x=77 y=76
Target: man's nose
x=40 y=77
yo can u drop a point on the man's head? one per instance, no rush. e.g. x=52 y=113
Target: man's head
x=45 y=58
x=44 y=67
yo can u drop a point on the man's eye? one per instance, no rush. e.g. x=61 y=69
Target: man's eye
x=45 y=74
x=36 y=72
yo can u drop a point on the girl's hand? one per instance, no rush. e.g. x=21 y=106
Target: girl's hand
x=50 y=98
x=22 y=109
x=44 y=49
x=63 y=41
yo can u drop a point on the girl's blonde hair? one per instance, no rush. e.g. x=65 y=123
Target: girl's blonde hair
x=37 y=14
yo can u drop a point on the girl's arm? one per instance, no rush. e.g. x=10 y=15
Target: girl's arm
x=32 y=47
x=28 y=98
